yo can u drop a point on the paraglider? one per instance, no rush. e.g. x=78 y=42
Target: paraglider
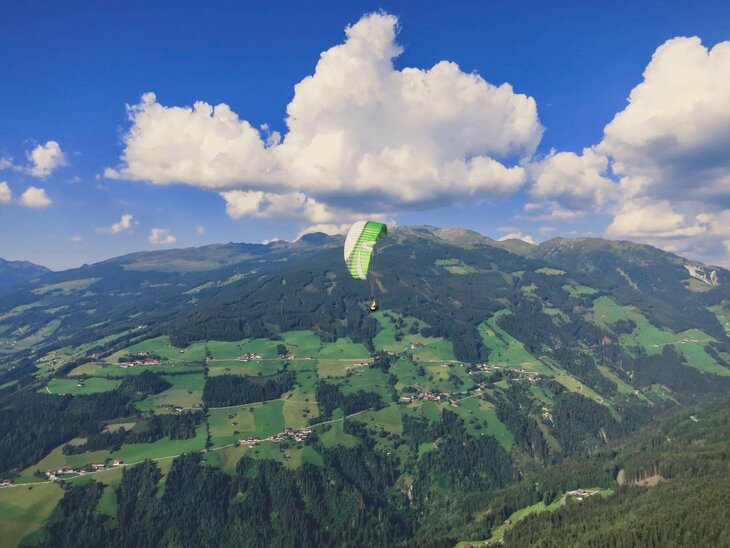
x=359 y=249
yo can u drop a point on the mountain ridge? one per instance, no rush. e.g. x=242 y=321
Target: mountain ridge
x=16 y=272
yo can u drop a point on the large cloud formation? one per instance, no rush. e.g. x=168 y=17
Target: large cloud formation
x=671 y=149
x=362 y=137
x=668 y=153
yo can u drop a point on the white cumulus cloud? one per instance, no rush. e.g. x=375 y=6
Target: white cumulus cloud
x=670 y=147
x=519 y=236
x=662 y=168
x=672 y=141
x=161 y=236
x=361 y=136
x=5 y=193
x=45 y=159
x=127 y=222
x=35 y=197
x=573 y=182
x=652 y=219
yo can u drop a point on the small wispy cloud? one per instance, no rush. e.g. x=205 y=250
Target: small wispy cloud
x=161 y=236
x=126 y=223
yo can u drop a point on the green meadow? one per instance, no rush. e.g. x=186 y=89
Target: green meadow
x=186 y=391
x=161 y=346
x=91 y=385
x=25 y=510
x=343 y=349
x=690 y=343
x=227 y=425
x=506 y=350
x=302 y=344
x=333 y=435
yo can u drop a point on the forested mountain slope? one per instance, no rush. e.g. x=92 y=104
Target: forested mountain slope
x=488 y=382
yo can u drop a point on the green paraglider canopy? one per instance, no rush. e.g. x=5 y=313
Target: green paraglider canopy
x=359 y=246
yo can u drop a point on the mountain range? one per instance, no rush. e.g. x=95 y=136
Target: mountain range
x=491 y=369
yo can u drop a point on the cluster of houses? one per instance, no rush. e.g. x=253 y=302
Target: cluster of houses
x=427 y=396
x=580 y=494
x=491 y=367
x=296 y=434
x=140 y=358
x=5 y=483
x=55 y=475
x=176 y=408
x=249 y=356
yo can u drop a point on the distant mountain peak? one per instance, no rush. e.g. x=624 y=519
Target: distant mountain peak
x=15 y=272
x=317 y=238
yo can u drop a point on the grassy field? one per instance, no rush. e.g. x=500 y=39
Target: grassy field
x=484 y=412
x=129 y=453
x=407 y=374
x=297 y=412
x=479 y=416
x=344 y=349
x=137 y=452
x=70 y=286
x=263 y=347
x=336 y=436
x=91 y=385
x=307 y=379
x=245 y=369
x=111 y=427
x=389 y=419
x=723 y=316
x=161 y=346
x=579 y=290
x=339 y=367
x=521 y=514
x=111 y=478
x=622 y=386
x=442 y=378
x=56 y=459
x=258 y=420
x=186 y=391
x=690 y=343
x=225 y=350
x=227 y=458
x=369 y=379
x=24 y=511
x=433 y=349
x=550 y=271
x=109 y=370
x=292 y=457
x=37 y=337
x=302 y=343
x=505 y=350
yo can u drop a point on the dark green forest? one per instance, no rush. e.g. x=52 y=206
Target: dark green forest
x=355 y=497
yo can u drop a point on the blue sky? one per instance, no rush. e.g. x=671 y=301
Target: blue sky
x=70 y=68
